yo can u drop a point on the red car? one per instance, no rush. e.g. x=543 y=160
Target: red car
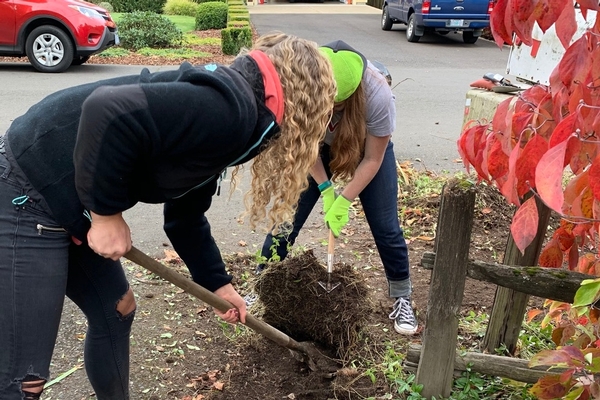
x=54 y=34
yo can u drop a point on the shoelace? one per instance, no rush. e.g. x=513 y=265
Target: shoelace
x=402 y=309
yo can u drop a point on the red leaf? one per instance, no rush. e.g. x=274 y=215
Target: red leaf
x=565 y=129
x=580 y=154
x=576 y=62
x=549 y=387
x=566 y=25
x=497 y=163
x=522 y=11
x=574 y=189
x=573 y=258
x=501 y=34
x=548 y=177
x=551 y=255
x=546 y=12
x=586 y=5
x=594 y=178
x=524 y=224
x=527 y=162
x=564 y=238
x=509 y=187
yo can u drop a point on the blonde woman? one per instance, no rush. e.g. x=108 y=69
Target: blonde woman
x=358 y=155
x=76 y=160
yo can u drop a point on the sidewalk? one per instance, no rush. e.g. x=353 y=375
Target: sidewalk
x=280 y=7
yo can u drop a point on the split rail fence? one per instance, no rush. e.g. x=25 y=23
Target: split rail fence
x=437 y=360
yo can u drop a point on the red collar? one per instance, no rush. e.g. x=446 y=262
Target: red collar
x=273 y=90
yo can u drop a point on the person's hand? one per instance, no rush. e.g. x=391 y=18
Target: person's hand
x=337 y=216
x=233 y=315
x=109 y=236
x=328 y=198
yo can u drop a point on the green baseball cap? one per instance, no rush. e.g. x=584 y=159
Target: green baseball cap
x=348 y=67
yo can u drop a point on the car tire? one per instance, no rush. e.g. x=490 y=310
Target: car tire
x=411 y=29
x=386 y=21
x=78 y=60
x=49 y=49
x=469 y=37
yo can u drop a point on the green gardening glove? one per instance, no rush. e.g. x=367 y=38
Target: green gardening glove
x=328 y=198
x=337 y=216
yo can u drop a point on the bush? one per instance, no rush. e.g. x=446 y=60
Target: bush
x=211 y=15
x=107 y=6
x=181 y=7
x=238 y=10
x=238 y=17
x=206 y=1
x=126 y=6
x=233 y=39
x=147 y=29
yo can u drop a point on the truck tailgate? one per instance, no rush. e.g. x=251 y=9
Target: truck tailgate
x=464 y=9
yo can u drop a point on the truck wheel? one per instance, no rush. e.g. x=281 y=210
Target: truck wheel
x=411 y=29
x=469 y=37
x=49 y=49
x=386 y=21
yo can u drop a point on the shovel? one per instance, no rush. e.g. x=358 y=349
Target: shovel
x=329 y=286
x=304 y=351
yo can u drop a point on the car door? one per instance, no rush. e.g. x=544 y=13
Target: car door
x=7 y=24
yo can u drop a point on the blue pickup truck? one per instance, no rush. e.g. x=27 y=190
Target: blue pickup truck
x=441 y=16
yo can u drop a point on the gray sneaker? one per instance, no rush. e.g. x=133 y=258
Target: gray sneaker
x=403 y=315
x=250 y=299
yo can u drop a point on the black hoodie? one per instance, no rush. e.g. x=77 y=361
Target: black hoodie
x=155 y=138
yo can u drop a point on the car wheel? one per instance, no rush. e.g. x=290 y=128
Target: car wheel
x=386 y=21
x=78 y=60
x=411 y=35
x=469 y=37
x=49 y=49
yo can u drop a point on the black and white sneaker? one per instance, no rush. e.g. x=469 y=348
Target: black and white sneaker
x=250 y=299
x=403 y=315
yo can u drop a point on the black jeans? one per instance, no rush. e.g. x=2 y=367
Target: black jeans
x=39 y=264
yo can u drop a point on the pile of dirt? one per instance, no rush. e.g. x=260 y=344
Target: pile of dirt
x=294 y=301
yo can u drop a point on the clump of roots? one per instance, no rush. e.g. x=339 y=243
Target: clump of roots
x=293 y=301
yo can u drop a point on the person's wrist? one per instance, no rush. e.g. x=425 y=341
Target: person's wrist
x=325 y=185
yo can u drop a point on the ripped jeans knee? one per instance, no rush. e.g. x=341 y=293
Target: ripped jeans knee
x=126 y=305
x=32 y=387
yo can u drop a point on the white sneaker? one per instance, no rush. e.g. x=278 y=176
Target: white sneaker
x=403 y=315
x=250 y=299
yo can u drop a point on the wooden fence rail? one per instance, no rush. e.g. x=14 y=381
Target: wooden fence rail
x=436 y=360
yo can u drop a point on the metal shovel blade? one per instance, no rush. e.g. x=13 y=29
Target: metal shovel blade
x=329 y=286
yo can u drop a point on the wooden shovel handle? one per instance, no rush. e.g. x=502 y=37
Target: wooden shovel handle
x=330 y=243
x=211 y=299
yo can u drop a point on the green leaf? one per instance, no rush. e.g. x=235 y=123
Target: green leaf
x=587 y=294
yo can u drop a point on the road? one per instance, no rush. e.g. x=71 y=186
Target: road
x=431 y=78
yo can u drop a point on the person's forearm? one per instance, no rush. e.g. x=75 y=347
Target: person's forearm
x=365 y=172
x=318 y=172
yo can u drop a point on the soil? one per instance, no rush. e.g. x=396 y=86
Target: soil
x=180 y=350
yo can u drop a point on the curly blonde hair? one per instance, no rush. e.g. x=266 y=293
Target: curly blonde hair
x=348 y=147
x=280 y=172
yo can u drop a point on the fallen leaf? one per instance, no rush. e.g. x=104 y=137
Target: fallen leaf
x=425 y=238
x=218 y=385
x=242 y=243
x=486 y=210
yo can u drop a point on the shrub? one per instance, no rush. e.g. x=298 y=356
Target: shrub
x=147 y=29
x=211 y=15
x=181 y=7
x=238 y=24
x=107 y=6
x=206 y=1
x=238 y=17
x=238 y=10
x=233 y=39
x=126 y=6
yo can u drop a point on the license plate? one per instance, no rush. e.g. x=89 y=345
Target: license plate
x=457 y=22
x=117 y=40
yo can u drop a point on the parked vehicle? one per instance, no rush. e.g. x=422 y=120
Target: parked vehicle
x=441 y=16
x=54 y=34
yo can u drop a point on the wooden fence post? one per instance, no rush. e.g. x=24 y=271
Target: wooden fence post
x=509 y=306
x=453 y=237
